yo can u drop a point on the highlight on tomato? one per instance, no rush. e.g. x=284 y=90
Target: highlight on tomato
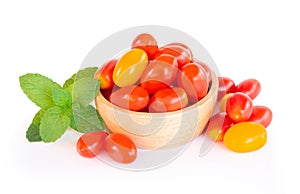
x=239 y=107
x=147 y=43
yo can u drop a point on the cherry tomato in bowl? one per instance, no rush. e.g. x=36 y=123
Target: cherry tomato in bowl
x=105 y=74
x=159 y=73
x=147 y=43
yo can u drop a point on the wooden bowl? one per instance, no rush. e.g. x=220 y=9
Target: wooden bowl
x=160 y=130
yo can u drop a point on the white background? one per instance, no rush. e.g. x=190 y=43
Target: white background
x=247 y=39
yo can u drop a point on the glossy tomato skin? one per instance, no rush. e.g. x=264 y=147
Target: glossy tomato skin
x=245 y=137
x=120 y=148
x=105 y=74
x=159 y=73
x=167 y=100
x=218 y=125
x=262 y=115
x=223 y=101
x=205 y=67
x=181 y=54
x=90 y=144
x=251 y=87
x=130 y=97
x=182 y=45
x=147 y=43
x=226 y=85
x=130 y=67
x=193 y=80
x=239 y=107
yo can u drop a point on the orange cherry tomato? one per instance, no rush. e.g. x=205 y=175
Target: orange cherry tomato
x=182 y=55
x=218 y=125
x=239 y=107
x=226 y=85
x=262 y=115
x=147 y=43
x=169 y=99
x=251 y=87
x=130 y=97
x=120 y=148
x=90 y=144
x=193 y=80
x=105 y=74
x=160 y=73
x=223 y=102
x=245 y=137
x=130 y=67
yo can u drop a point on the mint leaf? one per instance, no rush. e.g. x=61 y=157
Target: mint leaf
x=83 y=73
x=33 y=132
x=85 y=90
x=38 y=89
x=61 y=97
x=54 y=124
x=86 y=119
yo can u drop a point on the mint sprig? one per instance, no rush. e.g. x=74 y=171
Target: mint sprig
x=62 y=107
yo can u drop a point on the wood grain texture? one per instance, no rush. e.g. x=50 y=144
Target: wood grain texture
x=160 y=130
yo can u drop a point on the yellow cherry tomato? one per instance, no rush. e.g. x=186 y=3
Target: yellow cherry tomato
x=245 y=137
x=130 y=67
x=223 y=101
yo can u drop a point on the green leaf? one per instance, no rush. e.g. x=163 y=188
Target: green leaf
x=54 y=124
x=86 y=119
x=69 y=81
x=83 y=73
x=33 y=132
x=85 y=91
x=38 y=89
x=61 y=97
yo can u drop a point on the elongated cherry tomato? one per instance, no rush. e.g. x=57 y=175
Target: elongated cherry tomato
x=147 y=43
x=105 y=74
x=130 y=67
x=160 y=73
x=251 y=87
x=130 y=97
x=193 y=80
x=120 y=148
x=223 y=102
x=169 y=99
x=218 y=125
x=182 y=55
x=182 y=45
x=226 y=85
x=239 y=107
x=205 y=67
x=90 y=144
x=262 y=115
x=245 y=137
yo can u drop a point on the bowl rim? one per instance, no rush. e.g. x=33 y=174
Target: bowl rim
x=213 y=89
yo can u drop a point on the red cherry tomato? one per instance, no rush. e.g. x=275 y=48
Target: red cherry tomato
x=226 y=85
x=160 y=73
x=218 y=125
x=147 y=43
x=130 y=97
x=105 y=74
x=182 y=45
x=90 y=144
x=262 y=115
x=169 y=99
x=193 y=79
x=239 y=107
x=251 y=87
x=205 y=67
x=182 y=55
x=120 y=148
